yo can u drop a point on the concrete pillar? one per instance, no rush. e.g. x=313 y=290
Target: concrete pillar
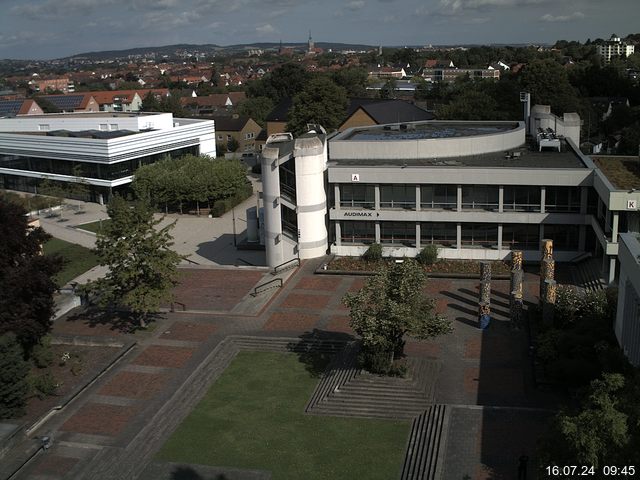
x=336 y=195
x=614 y=229
x=612 y=270
x=377 y=232
x=418 y=246
x=501 y=199
x=541 y=231
x=376 y=200
x=543 y=199
x=500 y=237
x=459 y=198
x=418 y=198
x=549 y=301
x=338 y=234
x=607 y=221
x=271 y=201
x=584 y=200
x=459 y=236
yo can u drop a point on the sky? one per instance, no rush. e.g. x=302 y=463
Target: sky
x=45 y=29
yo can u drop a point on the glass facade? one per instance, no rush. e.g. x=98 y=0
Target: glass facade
x=353 y=195
x=398 y=233
x=565 y=237
x=358 y=233
x=440 y=197
x=479 y=235
x=289 y=222
x=520 y=237
x=113 y=171
x=480 y=197
x=521 y=199
x=288 y=180
x=398 y=196
x=443 y=234
x=562 y=199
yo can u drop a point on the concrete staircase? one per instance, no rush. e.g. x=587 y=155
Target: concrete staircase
x=426 y=444
x=586 y=275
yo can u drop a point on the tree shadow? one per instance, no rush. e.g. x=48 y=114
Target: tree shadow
x=317 y=348
x=223 y=251
x=116 y=320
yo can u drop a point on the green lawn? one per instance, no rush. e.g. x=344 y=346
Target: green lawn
x=93 y=226
x=252 y=418
x=78 y=259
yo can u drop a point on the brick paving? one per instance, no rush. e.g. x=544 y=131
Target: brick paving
x=54 y=465
x=214 y=289
x=162 y=356
x=99 y=419
x=479 y=368
x=134 y=384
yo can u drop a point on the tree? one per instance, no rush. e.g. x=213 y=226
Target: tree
x=26 y=284
x=391 y=305
x=233 y=145
x=470 y=105
x=285 y=81
x=321 y=102
x=142 y=266
x=13 y=377
x=150 y=103
x=256 y=108
x=548 y=83
x=353 y=80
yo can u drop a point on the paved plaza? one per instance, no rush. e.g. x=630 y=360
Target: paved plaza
x=113 y=430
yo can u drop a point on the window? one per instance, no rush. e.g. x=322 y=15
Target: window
x=228 y=138
x=479 y=235
x=439 y=197
x=565 y=237
x=352 y=195
x=521 y=199
x=288 y=180
x=249 y=136
x=398 y=233
x=289 y=222
x=103 y=127
x=43 y=127
x=113 y=126
x=219 y=137
x=562 y=199
x=443 y=234
x=520 y=237
x=358 y=233
x=398 y=196
x=480 y=197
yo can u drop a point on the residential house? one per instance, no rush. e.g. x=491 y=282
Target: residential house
x=278 y=117
x=125 y=100
x=76 y=102
x=364 y=112
x=20 y=107
x=243 y=129
x=387 y=72
x=64 y=85
x=213 y=104
x=615 y=48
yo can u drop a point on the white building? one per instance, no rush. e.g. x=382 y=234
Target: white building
x=106 y=148
x=615 y=48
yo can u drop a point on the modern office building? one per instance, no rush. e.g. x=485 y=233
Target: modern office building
x=627 y=327
x=102 y=150
x=615 y=48
x=477 y=190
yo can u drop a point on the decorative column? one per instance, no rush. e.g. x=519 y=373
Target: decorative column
x=547 y=266
x=549 y=301
x=516 y=297
x=484 y=300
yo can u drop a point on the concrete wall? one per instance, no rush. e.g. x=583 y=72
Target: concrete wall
x=568 y=125
x=86 y=121
x=627 y=326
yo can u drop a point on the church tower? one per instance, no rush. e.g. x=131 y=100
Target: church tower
x=310 y=45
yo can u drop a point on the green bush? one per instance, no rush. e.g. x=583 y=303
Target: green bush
x=373 y=253
x=13 y=377
x=42 y=355
x=44 y=385
x=428 y=255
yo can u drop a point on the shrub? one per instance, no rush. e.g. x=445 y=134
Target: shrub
x=41 y=355
x=428 y=255
x=44 y=385
x=13 y=377
x=373 y=253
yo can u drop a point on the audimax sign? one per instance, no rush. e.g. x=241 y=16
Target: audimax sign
x=360 y=214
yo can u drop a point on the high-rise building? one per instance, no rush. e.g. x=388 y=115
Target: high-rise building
x=615 y=48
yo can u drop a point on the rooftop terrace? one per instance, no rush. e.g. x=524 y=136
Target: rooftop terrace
x=421 y=131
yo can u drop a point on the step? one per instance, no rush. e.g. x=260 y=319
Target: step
x=366 y=412
x=354 y=390
x=424 y=445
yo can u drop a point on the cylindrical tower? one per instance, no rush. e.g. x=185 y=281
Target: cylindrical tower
x=311 y=160
x=271 y=200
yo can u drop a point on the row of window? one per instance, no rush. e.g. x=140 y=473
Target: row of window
x=474 y=197
x=476 y=235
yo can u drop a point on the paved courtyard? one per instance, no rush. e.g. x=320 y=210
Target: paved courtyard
x=114 y=428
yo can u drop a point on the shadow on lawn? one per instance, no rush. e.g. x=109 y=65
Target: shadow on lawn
x=188 y=473
x=316 y=349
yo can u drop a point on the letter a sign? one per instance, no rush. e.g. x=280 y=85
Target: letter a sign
x=355 y=177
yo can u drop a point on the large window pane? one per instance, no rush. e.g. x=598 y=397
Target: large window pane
x=352 y=195
x=562 y=199
x=289 y=222
x=288 y=180
x=400 y=233
x=565 y=237
x=480 y=197
x=357 y=232
x=443 y=234
x=398 y=196
x=439 y=197
x=520 y=237
x=521 y=198
x=479 y=235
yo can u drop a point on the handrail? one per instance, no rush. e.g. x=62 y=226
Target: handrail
x=255 y=290
x=184 y=307
x=190 y=261
x=279 y=267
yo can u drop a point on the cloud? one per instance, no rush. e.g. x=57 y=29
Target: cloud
x=562 y=18
x=355 y=5
x=162 y=20
x=422 y=11
x=457 y=7
x=57 y=8
x=477 y=21
x=266 y=29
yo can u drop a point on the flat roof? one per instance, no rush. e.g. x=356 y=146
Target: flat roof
x=92 y=114
x=528 y=158
x=428 y=130
x=622 y=172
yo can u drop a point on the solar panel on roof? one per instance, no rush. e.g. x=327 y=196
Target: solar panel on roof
x=10 y=107
x=66 y=102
